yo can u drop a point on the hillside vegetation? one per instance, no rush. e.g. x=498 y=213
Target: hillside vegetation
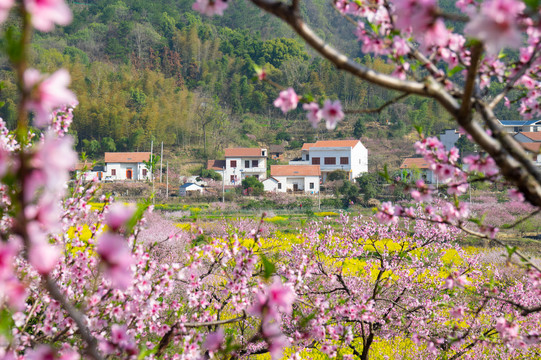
x=156 y=70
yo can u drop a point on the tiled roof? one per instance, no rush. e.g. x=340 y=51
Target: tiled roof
x=215 y=164
x=295 y=170
x=126 y=157
x=410 y=163
x=336 y=143
x=238 y=152
x=307 y=146
x=535 y=136
x=533 y=146
x=277 y=149
x=518 y=122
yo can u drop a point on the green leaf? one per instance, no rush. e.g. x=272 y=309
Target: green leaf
x=268 y=267
x=533 y=4
x=137 y=216
x=510 y=250
x=455 y=70
x=6 y=323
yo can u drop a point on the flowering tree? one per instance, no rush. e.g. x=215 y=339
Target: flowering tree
x=77 y=281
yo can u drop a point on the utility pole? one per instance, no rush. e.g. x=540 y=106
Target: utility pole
x=161 y=164
x=223 y=185
x=152 y=170
x=167 y=180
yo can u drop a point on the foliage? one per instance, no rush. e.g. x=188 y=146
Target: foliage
x=210 y=174
x=252 y=186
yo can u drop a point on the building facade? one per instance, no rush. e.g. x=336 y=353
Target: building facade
x=294 y=178
x=348 y=155
x=241 y=163
x=126 y=166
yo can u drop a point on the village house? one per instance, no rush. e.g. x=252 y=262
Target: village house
x=449 y=138
x=189 y=189
x=417 y=168
x=348 y=155
x=241 y=163
x=293 y=178
x=276 y=151
x=126 y=166
x=515 y=126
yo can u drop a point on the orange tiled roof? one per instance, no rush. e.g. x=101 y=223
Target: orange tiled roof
x=418 y=163
x=126 y=157
x=295 y=170
x=238 y=152
x=215 y=164
x=533 y=146
x=336 y=143
x=307 y=146
x=535 y=136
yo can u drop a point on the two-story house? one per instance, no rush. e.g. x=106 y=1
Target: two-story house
x=241 y=163
x=126 y=166
x=348 y=155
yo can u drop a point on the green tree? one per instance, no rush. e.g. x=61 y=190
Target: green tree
x=252 y=186
x=359 y=128
x=337 y=175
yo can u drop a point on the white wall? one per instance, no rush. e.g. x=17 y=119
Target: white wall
x=241 y=172
x=121 y=169
x=303 y=183
x=270 y=185
x=357 y=160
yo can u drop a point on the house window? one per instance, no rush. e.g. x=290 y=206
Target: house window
x=344 y=161
x=113 y=172
x=233 y=163
x=279 y=186
x=311 y=185
x=263 y=153
x=256 y=176
x=307 y=156
x=255 y=163
x=330 y=161
x=246 y=163
x=144 y=172
x=516 y=129
x=315 y=161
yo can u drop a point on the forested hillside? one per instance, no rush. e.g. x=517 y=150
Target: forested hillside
x=156 y=70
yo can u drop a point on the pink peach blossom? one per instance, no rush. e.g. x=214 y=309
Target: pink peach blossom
x=46 y=13
x=287 y=100
x=47 y=93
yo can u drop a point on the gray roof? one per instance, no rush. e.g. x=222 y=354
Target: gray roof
x=188 y=185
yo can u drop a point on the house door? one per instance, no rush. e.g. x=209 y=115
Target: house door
x=295 y=187
x=129 y=174
x=99 y=175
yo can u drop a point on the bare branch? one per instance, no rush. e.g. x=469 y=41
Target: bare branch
x=465 y=108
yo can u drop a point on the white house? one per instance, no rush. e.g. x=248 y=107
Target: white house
x=449 y=138
x=189 y=188
x=348 y=155
x=284 y=178
x=515 y=126
x=416 y=168
x=126 y=166
x=241 y=163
